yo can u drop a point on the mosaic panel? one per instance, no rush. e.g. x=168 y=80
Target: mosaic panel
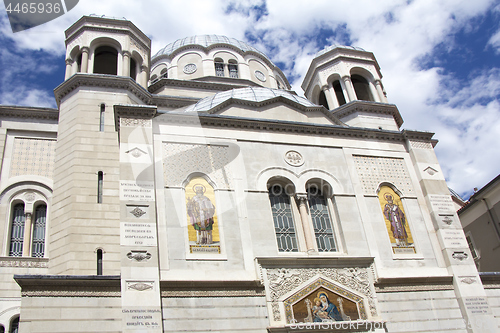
x=33 y=157
x=374 y=170
x=181 y=160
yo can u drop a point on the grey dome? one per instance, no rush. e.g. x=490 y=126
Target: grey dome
x=207 y=41
x=335 y=46
x=253 y=94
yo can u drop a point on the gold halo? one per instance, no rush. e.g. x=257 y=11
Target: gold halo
x=388 y=194
x=199 y=185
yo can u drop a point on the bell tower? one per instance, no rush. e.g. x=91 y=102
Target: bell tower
x=342 y=74
x=107 y=63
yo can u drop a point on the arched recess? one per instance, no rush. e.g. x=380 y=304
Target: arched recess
x=363 y=84
x=328 y=181
x=76 y=56
x=275 y=173
x=396 y=219
x=104 y=56
x=315 y=94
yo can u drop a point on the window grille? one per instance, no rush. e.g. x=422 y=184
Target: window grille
x=99 y=186
x=321 y=221
x=101 y=119
x=233 y=71
x=283 y=219
x=17 y=231
x=219 y=69
x=472 y=248
x=38 y=244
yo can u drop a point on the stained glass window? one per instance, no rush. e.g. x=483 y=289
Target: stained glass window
x=322 y=224
x=17 y=231
x=38 y=244
x=283 y=219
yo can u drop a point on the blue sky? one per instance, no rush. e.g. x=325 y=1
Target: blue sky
x=440 y=58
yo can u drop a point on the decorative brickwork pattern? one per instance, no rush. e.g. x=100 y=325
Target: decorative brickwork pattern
x=181 y=160
x=420 y=144
x=33 y=157
x=374 y=170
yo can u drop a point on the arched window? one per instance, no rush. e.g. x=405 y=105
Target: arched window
x=133 y=68
x=338 y=92
x=283 y=219
x=79 y=63
x=106 y=60
x=164 y=73
x=14 y=325
x=2 y=329
x=17 y=231
x=219 y=67
x=361 y=87
x=320 y=217
x=233 y=69
x=38 y=243
x=100 y=180
x=322 y=100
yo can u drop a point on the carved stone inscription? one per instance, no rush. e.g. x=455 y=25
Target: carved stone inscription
x=454 y=238
x=137 y=234
x=441 y=203
x=136 y=191
x=141 y=319
x=477 y=305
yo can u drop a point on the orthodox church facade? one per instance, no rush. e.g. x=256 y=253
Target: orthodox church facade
x=192 y=191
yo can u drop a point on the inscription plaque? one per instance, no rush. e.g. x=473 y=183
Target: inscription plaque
x=137 y=234
x=136 y=191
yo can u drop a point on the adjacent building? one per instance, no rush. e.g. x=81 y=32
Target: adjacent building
x=193 y=191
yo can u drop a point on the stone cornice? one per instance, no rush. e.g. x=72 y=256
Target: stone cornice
x=106 y=24
x=251 y=288
x=281 y=126
x=27 y=262
x=424 y=283
x=103 y=81
x=29 y=112
x=202 y=84
x=370 y=107
x=315 y=261
x=69 y=285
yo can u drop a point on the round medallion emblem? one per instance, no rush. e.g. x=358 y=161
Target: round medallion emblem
x=190 y=68
x=260 y=76
x=294 y=158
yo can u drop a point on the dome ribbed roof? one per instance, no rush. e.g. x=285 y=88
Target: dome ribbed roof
x=207 y=41
x=254 y=94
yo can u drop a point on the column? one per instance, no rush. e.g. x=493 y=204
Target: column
x=380 y=91
x=330 y=94
x=143 y=76
x=27 y=236
x=304 y=219
x=126 y=63
x=85 y=60
x=69 y=69
x=350 y=89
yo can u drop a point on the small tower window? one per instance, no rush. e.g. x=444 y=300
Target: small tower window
x=233 y=69
x=322 y=100
x=219 y=67
x=99 y=186
x=17 y=231
x=106 y=60
x=361 y=87
x=338 y=92
x=101 y=117
x=133 y=69
x=99 y=262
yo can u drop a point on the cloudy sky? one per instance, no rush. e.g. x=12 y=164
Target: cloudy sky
x=440 y=58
